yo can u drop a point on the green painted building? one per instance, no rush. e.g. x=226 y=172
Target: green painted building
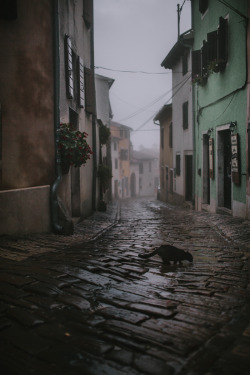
x=219 y=73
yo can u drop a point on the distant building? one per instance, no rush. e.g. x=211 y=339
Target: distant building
x=179 y=61
x=164 y=119
x=120 y=153
x=104 y=116
x=46 y=78
x=144 y=173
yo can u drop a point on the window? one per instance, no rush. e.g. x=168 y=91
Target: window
x=171 y=184
x=212 y=46
x=203 y=6
x=141 y=168
x=185 y=62
x=116 y=164
x=89 y=90
x=204 y=59
x=121 y=133
x=80 y=87
x=185 y=115
x=69 y=68
x=171 y=135
x=178 y=164
x=150 y=166
x=162 y=137
x=74 y=72
x=115 y=146
x=222 y=43
x=214 y=52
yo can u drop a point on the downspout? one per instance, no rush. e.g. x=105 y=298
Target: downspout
x=92 y=66
x=56 y=227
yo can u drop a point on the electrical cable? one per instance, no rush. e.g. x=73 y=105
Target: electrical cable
x=129 y=71
x=150 y=104
x=151 y=117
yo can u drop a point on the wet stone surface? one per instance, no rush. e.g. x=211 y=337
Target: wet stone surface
x=87 y=304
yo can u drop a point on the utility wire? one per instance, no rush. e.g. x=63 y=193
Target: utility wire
x=151 y=117
x=150 y=104
x=129 y=71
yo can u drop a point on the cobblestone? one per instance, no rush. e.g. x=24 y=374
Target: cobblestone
x=88 y=304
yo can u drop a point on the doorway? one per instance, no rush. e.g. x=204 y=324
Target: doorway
x=205 y=171
x=189 y=178
x=224 y=169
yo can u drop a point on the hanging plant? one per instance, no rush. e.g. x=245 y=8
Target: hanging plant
x=73 y=147
x=104 y=133
x=201 y=80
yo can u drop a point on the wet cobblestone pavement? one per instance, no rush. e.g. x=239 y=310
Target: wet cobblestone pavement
x=87 y=304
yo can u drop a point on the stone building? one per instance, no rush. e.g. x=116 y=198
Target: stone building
x=46 y=79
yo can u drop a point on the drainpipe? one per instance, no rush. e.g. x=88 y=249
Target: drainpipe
x=57 y=228
x=92 y=66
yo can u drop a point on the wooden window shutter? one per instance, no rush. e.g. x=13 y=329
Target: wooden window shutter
x=89 y=90
x=80 y=82
x=88 y=12
x=212 y=46
x=196 y=63
x=185 y=115
x=204 y=58
x=69 y=68
x=222 y=42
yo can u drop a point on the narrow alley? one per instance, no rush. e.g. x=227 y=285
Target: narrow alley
x=87 y=304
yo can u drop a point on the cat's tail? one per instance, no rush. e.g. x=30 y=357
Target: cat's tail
x=149 y=255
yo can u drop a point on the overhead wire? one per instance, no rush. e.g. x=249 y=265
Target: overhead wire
x=151 y=117
x=130 y=71
x=150 y=104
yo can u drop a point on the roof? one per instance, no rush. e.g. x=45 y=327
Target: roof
x=166 y=110
x=120 y=126
x=104 y=78
x=184 y=42
x=141 y=156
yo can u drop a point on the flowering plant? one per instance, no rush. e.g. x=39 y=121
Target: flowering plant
x=73 y=146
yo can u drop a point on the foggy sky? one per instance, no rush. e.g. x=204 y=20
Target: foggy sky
x=136 y=35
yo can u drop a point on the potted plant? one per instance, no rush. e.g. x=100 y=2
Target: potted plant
x=73 y=147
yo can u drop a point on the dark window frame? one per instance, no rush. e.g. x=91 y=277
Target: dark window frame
x=162 y=137
x=171 y=135
x=178 y=164
x=185 y=115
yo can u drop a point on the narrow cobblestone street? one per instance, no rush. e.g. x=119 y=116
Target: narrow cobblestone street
x=87 y=304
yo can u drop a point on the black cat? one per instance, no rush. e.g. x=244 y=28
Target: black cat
x=169 y=253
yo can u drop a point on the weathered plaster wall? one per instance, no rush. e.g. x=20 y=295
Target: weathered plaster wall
x=26 y=96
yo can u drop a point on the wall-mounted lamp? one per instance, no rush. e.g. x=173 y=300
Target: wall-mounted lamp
x=233 y=126
x=210 y=131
